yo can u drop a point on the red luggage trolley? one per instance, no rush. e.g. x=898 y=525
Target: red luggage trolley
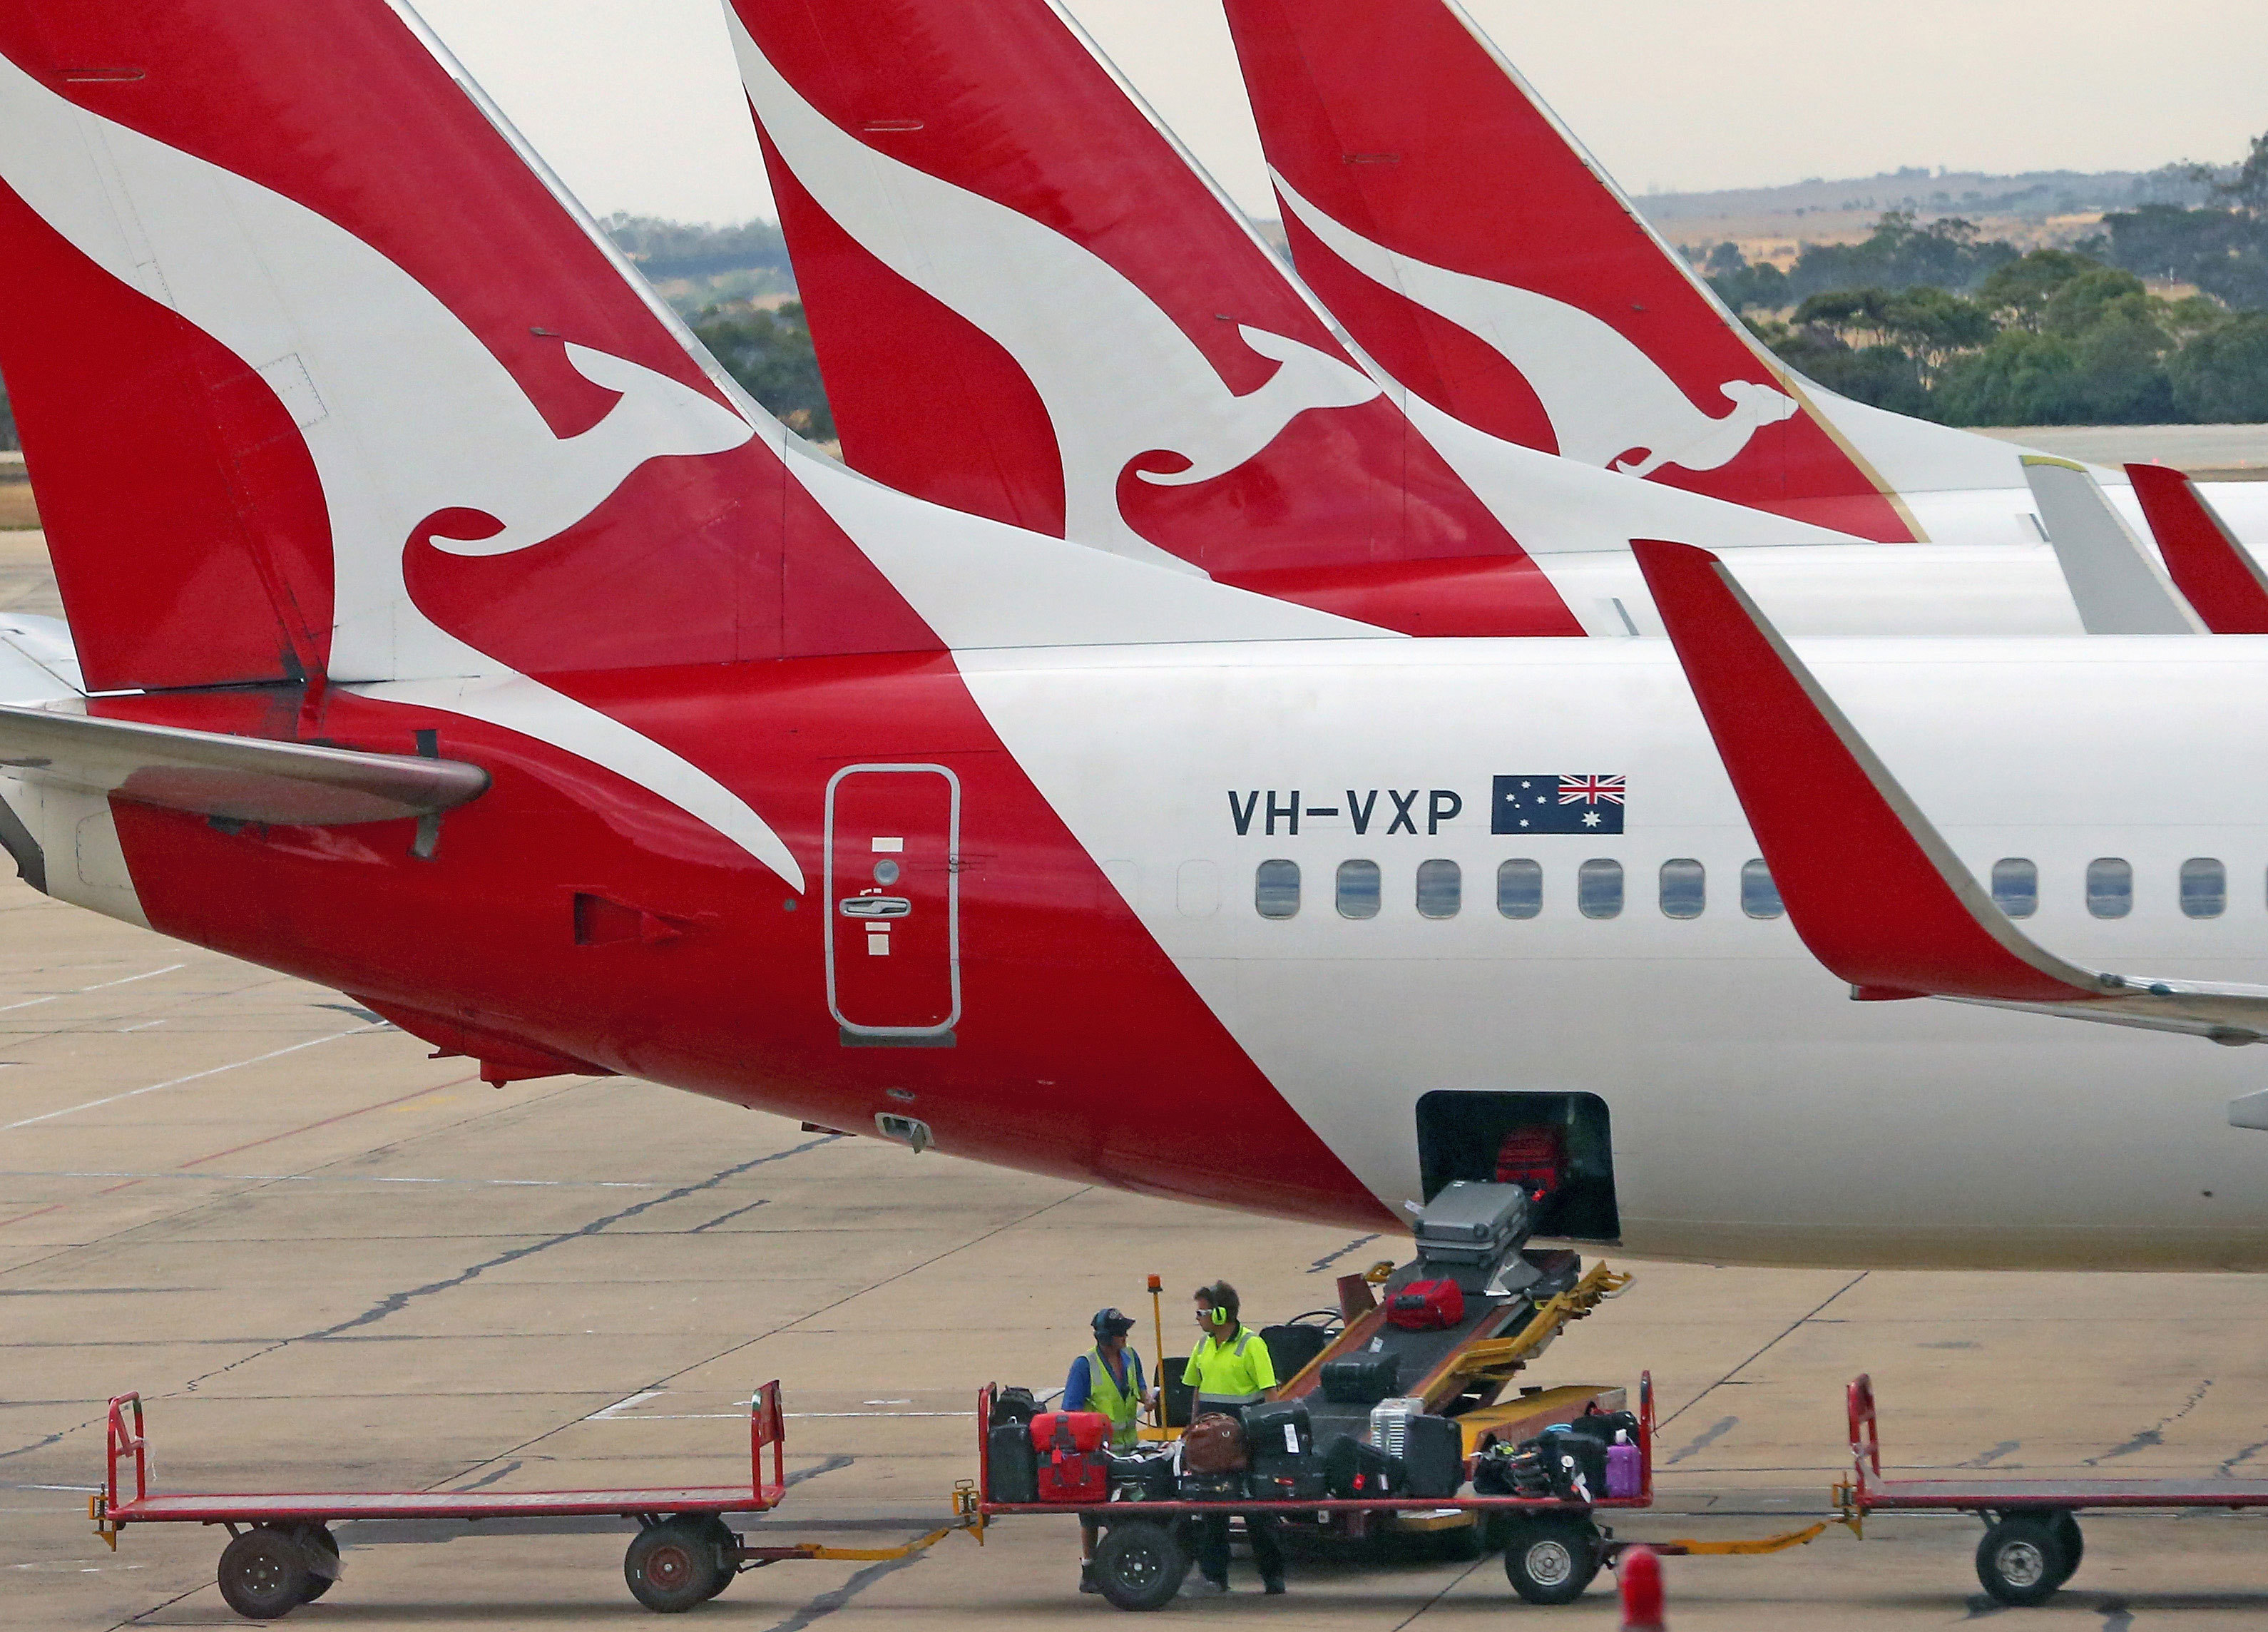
x=1551 y=1549
x=282 y=1553
x=2032 y=1544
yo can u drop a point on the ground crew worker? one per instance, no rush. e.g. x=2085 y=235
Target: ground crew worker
x=1106 y=1379
x=1230 y=1370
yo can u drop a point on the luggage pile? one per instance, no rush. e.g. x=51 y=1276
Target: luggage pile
x=1592 y=1458
x=1271 y=1455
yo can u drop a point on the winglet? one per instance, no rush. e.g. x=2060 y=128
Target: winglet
x=2118 y=589
x=1871 y=887
x=2221 y=580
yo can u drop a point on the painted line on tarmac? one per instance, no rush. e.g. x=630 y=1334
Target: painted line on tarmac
x=100 y=986
x=344 y=1178
x=194 y=1077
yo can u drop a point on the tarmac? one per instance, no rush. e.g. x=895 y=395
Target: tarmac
x=329 y=1260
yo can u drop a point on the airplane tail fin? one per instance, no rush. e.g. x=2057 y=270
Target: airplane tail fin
x=1029 y=303
x=1472 y=247
x=2216 y=573
x=320 y=376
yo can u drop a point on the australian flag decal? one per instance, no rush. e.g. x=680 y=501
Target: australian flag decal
x=1557 y=804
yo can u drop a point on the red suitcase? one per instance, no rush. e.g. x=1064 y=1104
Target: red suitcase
x=1534 y=1158
x=1074 y=1454
x=1428 y=1306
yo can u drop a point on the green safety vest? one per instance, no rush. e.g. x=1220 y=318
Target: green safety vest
x=1123 y=1407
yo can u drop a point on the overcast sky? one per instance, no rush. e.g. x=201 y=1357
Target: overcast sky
x=635 y=104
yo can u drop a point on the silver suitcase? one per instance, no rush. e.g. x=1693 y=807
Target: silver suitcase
x=1472 y=1223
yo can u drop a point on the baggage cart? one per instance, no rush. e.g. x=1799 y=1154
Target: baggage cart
x=282 y=1552
x=1552 y=1549
x=2032 y=1543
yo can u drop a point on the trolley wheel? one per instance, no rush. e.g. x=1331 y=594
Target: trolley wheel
x=727 y=1543
x=1137 y=1565
x=2066 y=1525
x=2023 y=1559
x=672 y=1566
x=318 y=1538
x=263 y=1574
x=1551 y=1557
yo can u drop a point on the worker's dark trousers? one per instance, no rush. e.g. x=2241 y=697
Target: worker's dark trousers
x=1212 y=1547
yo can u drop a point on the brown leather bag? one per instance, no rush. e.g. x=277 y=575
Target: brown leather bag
x=1214 y=1444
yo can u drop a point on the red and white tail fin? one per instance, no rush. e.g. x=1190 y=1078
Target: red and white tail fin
x=1471 y=248
x=2216 y=573
x=1027 y=304
x=320 y=378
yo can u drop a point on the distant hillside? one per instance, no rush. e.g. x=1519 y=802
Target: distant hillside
x=2035 y=195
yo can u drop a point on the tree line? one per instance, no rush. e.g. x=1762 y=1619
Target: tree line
x=1936 y=321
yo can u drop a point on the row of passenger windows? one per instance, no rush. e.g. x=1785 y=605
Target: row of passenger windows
x=1682 y=888
x=2201 y=887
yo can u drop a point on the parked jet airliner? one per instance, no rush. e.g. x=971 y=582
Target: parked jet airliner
x=446 y=629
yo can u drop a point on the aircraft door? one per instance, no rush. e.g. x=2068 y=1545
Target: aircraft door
x=894 y=904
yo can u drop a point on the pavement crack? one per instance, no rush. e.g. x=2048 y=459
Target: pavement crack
x=2156 y=1435
x=486 y=1479
x=1793 y=1327
x=2116 y=1616
x=2007 y=1447
x=2245 y=1455
x=727 y=1217
x=1716 y=1432
x=826 y=1603
x=394 y=1302
x=1328 y=1259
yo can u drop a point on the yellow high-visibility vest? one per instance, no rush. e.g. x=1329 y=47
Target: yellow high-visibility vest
x=1236 y=1373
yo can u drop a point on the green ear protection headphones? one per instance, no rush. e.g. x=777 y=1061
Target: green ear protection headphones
x=1217 y=1315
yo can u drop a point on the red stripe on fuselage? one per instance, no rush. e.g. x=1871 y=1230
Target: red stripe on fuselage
x=1081 y=1050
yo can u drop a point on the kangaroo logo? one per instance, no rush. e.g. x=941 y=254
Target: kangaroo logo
x=414 y=428
x=1074 y=324
x=1605 y=398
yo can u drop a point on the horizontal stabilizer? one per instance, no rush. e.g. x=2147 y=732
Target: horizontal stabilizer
x=237 y=779
x=2219 y=576
x=1919 y=925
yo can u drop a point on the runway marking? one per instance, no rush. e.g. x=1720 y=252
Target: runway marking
x=382 y=1105
x=607 y=1413
x=100 y=986
x=339 y=1179
x=194 y=1077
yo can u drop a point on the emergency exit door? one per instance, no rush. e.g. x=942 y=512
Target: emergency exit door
x=894 y=904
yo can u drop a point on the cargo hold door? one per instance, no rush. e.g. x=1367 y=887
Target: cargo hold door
x=893 y=906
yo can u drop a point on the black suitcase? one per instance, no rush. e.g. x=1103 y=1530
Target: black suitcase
x=1471 y=1223
x=1432 y=1457
x=1560 y=1444
x=1355 y=1467
x=1179 y=1397
x=1290 y=1349
x=1013 y=1404
x=1151 y=1478
x=1014 y=1466
x=1280 y=1439
x=1362 y=1379
x=1603 y=1426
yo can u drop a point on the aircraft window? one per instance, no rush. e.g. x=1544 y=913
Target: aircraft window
x=2205 y=888
x=2016 y=886
x=1598 y=888
x=1440 y=888
x=1358 y=890
x=1519 y=889
x=1759 y=895
x=2109 y=887
x=1276 y=889
x=1684 y=888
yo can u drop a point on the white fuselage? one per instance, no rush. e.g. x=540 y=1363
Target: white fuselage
x=1757 y=1113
